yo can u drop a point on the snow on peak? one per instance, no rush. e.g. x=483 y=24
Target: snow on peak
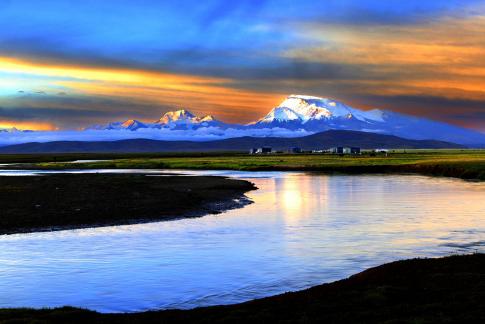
x=309 y=108
x=183 y=118
x=280 y=114
x=9 y=130
x=303 y=108
x=128 y=123
x=207 y=118
x=173 y=119
x=315 y=107
x=132 y=124
x=174 y=116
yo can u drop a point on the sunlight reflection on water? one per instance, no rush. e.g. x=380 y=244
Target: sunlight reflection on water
x=303 y=229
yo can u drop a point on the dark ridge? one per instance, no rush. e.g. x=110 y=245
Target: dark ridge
x=316 y=141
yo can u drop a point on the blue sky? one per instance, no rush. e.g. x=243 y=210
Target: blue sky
x=397 y=55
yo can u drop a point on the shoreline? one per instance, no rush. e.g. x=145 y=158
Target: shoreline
x=72 y=201
x=209 y=209
x=430 y=290
x=423 y=170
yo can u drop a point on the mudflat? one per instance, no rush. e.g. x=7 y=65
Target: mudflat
x=62 y=201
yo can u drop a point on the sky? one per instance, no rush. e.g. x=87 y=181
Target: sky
x=68 y=64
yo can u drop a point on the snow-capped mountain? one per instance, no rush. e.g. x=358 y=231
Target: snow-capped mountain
x=304 y=109
x=9 y=130
x=130 y=124
x=300 y=114
x=184 y=119
x=133 y=124
x=13 y=130
x=179 y=119
x=177 y=116
x=319 y=114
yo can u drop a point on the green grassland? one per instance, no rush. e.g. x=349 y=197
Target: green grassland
x=465 y=164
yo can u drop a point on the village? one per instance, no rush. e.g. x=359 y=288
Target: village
x=340 y=150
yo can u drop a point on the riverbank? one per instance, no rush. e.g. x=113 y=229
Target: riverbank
x=444 y=290
x=464 y=164
x=66 y=201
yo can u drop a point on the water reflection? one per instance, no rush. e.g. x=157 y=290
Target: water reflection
x=302 y=230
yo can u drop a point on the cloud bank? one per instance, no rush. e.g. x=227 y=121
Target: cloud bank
x=200 y=134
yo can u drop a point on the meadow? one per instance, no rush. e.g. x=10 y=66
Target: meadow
x=465 y=164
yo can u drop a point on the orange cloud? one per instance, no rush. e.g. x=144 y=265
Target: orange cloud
x=440 y=57
x=226 y=103
x=205 y=94
x=26 y=125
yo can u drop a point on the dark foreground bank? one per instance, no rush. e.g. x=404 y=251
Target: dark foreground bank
x=53 y=202
x=446 y=290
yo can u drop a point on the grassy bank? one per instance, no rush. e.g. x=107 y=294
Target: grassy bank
x=465 y=164
x=78 y=200
x=66 y=157
x=446 y=290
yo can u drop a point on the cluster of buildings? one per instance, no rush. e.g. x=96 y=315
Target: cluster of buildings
x=296 y=150
x=345 y=150
x=262 y=150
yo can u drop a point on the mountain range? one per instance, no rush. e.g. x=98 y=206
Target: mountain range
x=176 y=120
x=318 y=141
x=297 y=115
x=315 y=114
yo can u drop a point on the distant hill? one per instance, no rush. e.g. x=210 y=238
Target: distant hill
x=321 y=140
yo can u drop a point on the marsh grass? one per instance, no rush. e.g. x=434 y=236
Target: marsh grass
x=466 y=164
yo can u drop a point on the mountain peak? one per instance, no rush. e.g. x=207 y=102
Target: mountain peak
x=296 y=101
x=128 y=123
x=184 y=119
x=207 y=118
x=132 y=124
x=177 y=115
x=307 y=109
x=9 y=130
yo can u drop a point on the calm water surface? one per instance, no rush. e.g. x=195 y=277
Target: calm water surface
x=302 y=230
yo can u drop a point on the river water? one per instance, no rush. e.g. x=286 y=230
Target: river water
x=303 y=229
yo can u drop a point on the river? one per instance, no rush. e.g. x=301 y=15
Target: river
x=303 y=229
